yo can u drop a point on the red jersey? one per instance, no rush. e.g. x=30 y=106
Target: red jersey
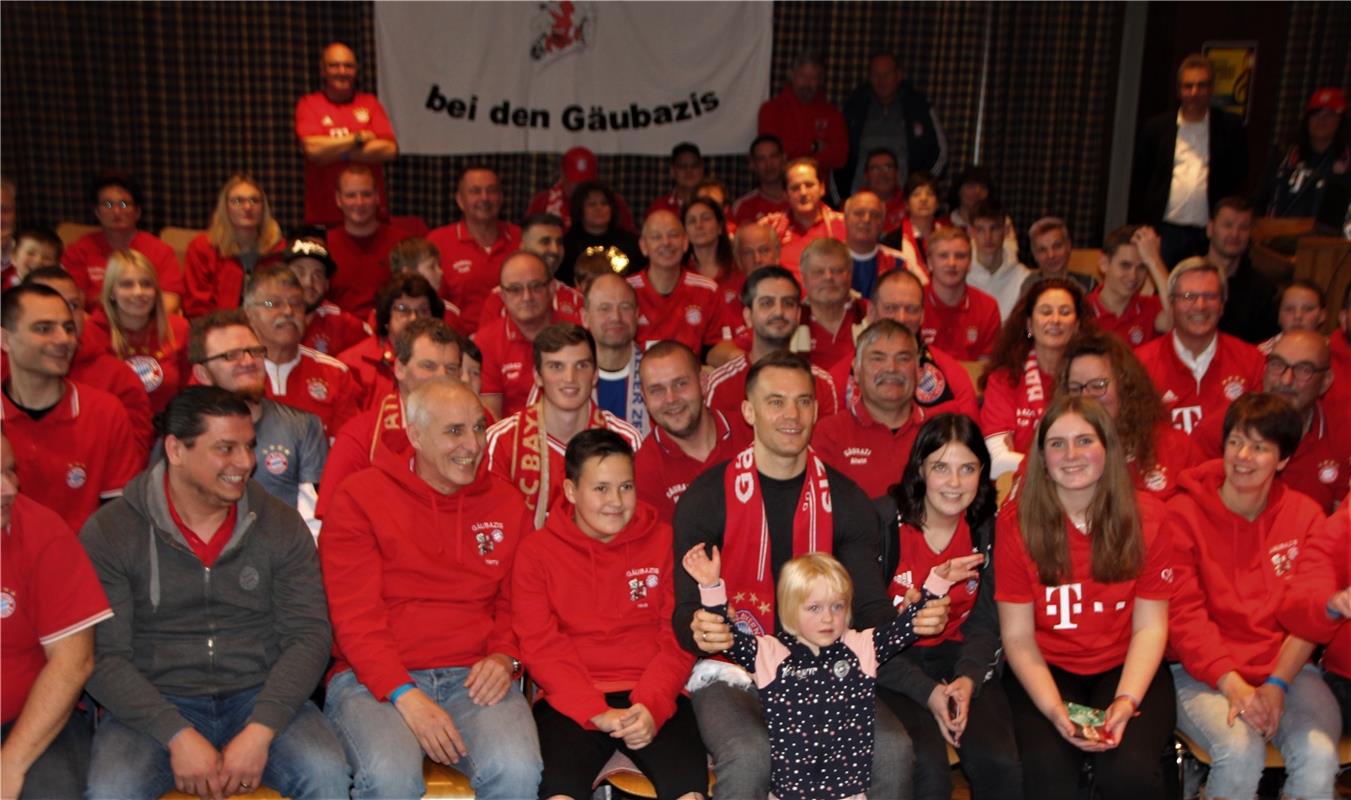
x=1174 y=452
x=315 y=383
x=95 y=366
x=359 y=443
x=471 y=270
x=1082 y=626
x=1322 y=570
x=595 y=617
x=800 y=125
x=1339 y=396
x=214 y=281
x=162 y=366
x=916 y=559
x=662 y=471
x=567 y=305
x=416 y=579
x=866 y=451
x=829 y=224
x=753 y=205
x=1135 y=325
x=944 y=386
x=330 y=330
x=508 y=366
x=316 y=115
x=371 y=363
x=966 y=331
x=79 y=453
x=725 y=388
x=1231 y=575
x=691 y=314
x=829 y=349
x=1236 y=368
x=48 y=591
x=363 y=266
x=895 y=211
x=1014 y=405
x=87 y=258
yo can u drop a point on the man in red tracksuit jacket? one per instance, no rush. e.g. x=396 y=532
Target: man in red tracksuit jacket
x=416 y=555
x=592 y=598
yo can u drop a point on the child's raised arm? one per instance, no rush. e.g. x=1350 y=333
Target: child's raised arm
x=898 y=634
x=705 y=571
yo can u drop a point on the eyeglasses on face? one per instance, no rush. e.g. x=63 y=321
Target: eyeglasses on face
x=236 y=355
x=1094 y=388
x=1304 y=370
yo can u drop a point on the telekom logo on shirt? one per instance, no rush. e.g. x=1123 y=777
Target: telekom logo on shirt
x=1186 y=417
x=1064 y=603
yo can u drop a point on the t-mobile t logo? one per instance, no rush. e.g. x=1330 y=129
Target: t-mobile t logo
x=1063 y=602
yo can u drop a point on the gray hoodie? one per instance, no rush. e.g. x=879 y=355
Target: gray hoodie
x=256 y=617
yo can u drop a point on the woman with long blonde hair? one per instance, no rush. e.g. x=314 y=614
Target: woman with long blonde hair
x=242 y=235
x=141 y=331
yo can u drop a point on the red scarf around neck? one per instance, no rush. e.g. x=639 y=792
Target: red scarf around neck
x=529 y=468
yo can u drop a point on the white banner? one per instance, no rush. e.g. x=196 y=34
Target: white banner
x=617 y=77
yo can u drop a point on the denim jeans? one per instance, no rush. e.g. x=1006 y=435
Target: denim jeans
x=732 y=725
x=503 y=760
x=1311 y=727
x=304 y=761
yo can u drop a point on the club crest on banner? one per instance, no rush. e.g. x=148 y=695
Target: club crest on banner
x=561 y=28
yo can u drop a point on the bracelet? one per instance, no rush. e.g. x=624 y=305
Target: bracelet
x=1129 y=698
x=399 y=692
x=1279 y=683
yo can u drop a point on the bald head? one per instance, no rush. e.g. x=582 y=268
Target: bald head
x=756 y=246
x=338 y=68
x=663 y=240
x=448 y=430
x=1293 y=353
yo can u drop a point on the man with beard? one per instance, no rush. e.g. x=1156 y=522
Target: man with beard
x=686 y=438
x=772 y=304
x=297 y=376
x=290 y=444
x=610 y=312
x=870 y=441
x=328 y=329
x=1251 y=308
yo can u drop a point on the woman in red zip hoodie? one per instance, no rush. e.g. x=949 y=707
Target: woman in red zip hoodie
x=1243 y=679
x=1318 y=601
x=592 y=598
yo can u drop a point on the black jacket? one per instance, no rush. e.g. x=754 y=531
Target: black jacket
x=921 y=146
x=1152 y=170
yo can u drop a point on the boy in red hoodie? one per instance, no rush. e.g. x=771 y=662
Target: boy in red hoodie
x=416 y=554
x=592 y=600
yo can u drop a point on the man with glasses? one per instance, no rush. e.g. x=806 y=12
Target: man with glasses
x=407 y=297
x=687 y=169
x=506 y=343
x=541 y=234
x=336 y=125
x=290 y=444
x=1299 y=368
x=297 y=376
x=1198 y=370
x=360 y=245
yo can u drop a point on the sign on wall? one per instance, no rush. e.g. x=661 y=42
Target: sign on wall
x=634 y=78
x=1235 y=64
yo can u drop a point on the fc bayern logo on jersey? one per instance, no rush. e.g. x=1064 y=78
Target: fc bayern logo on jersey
x=148 y=370
x=362 y=114
x=1137 y=335
x=318 y=388
x=1327 y=472
x=1233 y=387
x=561 y=28
x=931 y=384
x=693 y=315
x=971 y=335
x=275 y=460
x=320 y=343
x=1156 y=480
x=76 y=476
x=7 y=604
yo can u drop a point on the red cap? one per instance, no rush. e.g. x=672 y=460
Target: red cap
x=579 y=164
x=1327 y=97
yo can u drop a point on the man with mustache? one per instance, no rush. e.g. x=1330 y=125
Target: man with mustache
x=771 y=301
x=942 y=384
x=870 y=441
x=297 y=376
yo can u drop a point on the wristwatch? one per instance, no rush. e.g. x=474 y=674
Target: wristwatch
x=516 y=666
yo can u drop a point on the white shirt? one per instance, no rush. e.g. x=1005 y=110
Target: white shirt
x=1197 y=364
x=1005 y=284
x=1188 y=203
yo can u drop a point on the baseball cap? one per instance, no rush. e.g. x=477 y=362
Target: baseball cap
x=579 y=164
x=1327 y=97
x=311 y=248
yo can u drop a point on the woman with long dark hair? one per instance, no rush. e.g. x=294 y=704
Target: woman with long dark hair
x=1300 y=179
x=595 y=224
x=944 y=507
x=1083 y=579
x=710 y=252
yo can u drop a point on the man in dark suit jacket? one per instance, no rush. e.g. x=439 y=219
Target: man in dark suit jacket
x=1185 y=162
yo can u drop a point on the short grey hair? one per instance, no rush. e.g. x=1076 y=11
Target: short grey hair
x=1197 y=264
x=884 y=328
x=429 y=394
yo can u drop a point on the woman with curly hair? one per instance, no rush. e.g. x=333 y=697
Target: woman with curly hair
x=1027 y=357
x=595 y=223
x=241 y=236
x=1102 y=366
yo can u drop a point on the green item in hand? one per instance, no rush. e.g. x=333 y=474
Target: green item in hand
x=1089 y=723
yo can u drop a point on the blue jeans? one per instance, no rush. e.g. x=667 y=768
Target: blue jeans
x=1311 y=727
x=304 y=761
x=503 y=760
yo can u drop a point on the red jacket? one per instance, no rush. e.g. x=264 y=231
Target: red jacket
x=416 y=579
x=1323 y=569
x=595 y=617
x=1230 y=575
x=214 y=281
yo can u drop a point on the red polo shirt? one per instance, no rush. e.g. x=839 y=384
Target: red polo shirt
x=471 y=270
x=508 y=363
x=1236 y=368
x=331 y=330
x=966 y=331
x=316 y=115
x=363 y=266
x=663 y=471
x=866 y=451
x=86 y=259
x=1135 y=324
x=318 y=384
x=753 y=205
x=691 y=314
x=829 y=224
x=829 y=349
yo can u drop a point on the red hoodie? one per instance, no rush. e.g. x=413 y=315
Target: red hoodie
x=595 y=617
x=1324 y=568
x=416 y=579
x=1230 y=575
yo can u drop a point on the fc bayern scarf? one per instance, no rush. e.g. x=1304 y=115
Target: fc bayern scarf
x=529 y=468
x=745 y=544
